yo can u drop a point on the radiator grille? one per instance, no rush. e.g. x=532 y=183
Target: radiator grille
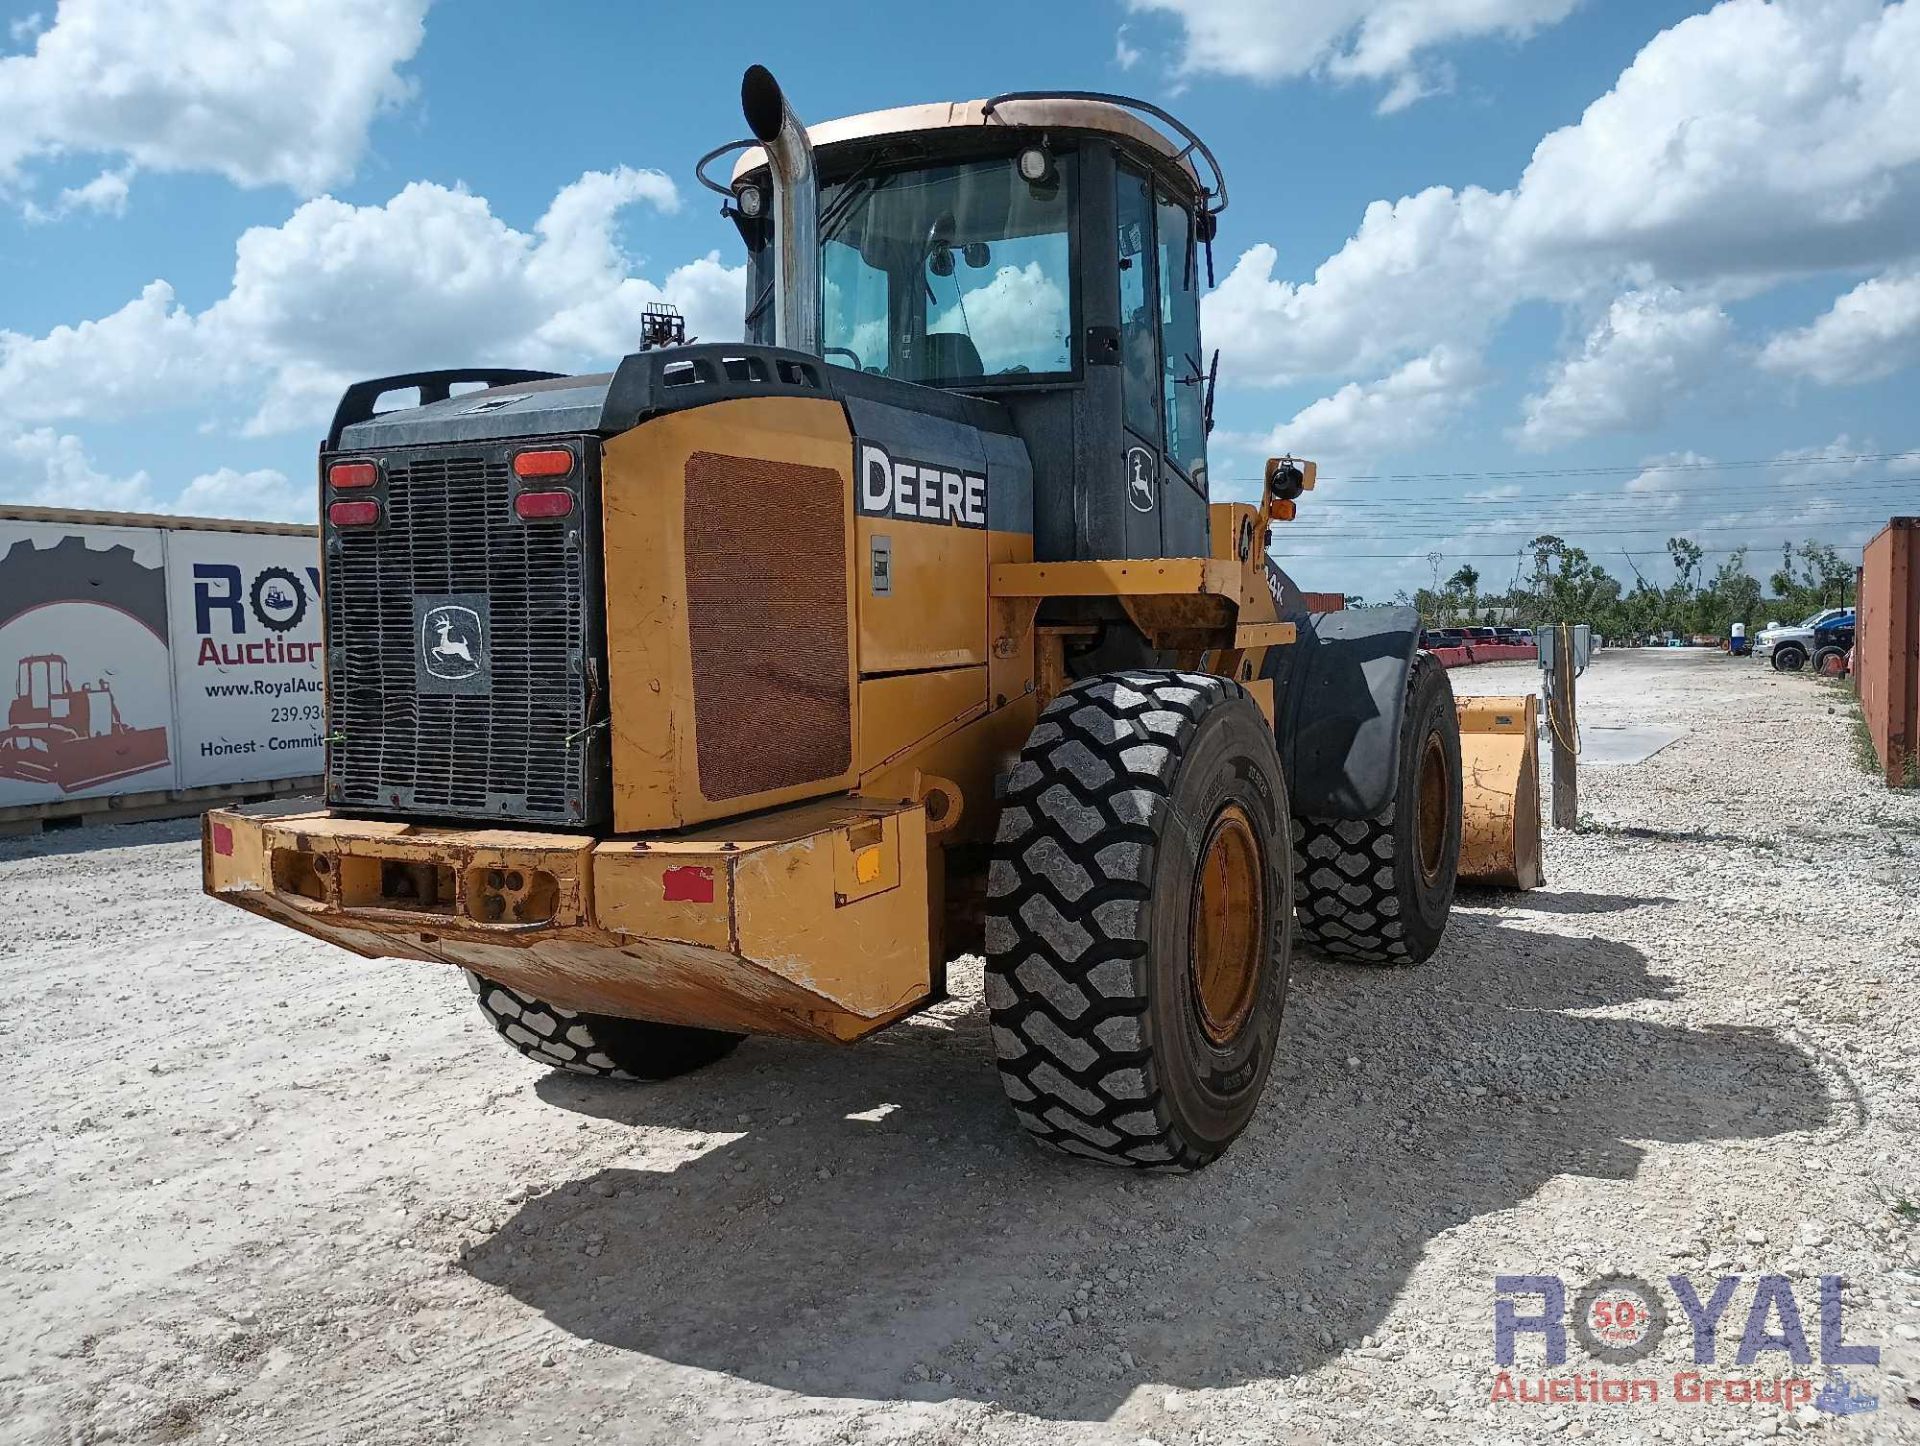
x=767 y=620
x=514 y=752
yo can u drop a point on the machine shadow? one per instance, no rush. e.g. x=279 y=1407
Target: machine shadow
x=1540 y=901
x=876 y=1229
x=92 y=838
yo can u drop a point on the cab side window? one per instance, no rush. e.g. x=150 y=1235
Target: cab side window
x=1183 y=375
x=1140 y=385
x=854 y=314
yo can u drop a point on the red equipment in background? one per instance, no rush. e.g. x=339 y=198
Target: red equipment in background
x=71 y=737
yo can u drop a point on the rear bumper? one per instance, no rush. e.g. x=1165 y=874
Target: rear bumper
x=811 y=921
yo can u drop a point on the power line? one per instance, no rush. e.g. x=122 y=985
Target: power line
x=1577 y=529
x=1522 y=552
x=1842 y=459
x=1538 y=499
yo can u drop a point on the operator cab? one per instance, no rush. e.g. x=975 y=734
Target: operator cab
x=1040 y=251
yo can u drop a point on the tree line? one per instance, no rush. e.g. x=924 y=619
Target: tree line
x=1567 y=585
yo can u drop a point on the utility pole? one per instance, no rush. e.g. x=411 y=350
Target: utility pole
x=1562 y=724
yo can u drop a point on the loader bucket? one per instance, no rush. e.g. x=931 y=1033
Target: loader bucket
x=1500 y=787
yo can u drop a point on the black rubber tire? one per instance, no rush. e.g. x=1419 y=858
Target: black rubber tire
x=1830 y=654
x=596 y=1044
x=1090 y=984
x=1789 y=658
x=1360 y=893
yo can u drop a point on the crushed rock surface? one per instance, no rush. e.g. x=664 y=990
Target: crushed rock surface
x=255 y=1189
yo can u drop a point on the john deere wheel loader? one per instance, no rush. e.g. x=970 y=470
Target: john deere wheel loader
x=735 y=690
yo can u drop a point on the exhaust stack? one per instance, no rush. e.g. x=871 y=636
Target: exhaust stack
x=796 y=210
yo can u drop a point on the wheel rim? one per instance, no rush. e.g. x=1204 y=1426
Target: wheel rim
x=1431 y=832
x=1229 y=922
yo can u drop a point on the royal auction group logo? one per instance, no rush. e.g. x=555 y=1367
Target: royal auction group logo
x=1619 y=1320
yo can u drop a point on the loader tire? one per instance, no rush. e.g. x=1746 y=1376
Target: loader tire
x=1378 y=890
x=596 y=1044
x=1138 y=908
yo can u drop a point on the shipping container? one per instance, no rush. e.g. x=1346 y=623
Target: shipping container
x=1886 y=648
x=151 y=664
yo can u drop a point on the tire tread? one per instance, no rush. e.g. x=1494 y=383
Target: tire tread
x=1066 y=976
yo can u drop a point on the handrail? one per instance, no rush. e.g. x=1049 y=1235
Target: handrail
x=700 y=166
x=1194 y=143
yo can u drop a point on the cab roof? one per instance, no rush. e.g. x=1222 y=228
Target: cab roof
x=1051 y=113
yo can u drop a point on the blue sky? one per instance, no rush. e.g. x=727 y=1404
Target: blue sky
x=1498 y=237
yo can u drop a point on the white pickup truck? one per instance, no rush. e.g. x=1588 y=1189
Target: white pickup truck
x=1788 y=646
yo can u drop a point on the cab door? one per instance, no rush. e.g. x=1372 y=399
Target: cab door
x=1163 y=377
x=1143 y=438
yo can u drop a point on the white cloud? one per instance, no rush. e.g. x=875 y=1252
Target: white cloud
x=44 y=468
x=1794 y=499
x=1870 y=332
x=1370 y=40
x=150 y=353
x=1427 y=269
x=1653 y=490
x=1396 y=412
x=1650 y=350
x=106 y=194
x=1751 y=143
x=1125 y=55
x=40 y=467
x=266 y=92
x=262 y=495
x=340 y=292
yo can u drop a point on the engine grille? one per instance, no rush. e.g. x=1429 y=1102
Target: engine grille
x=767 y=620
x=519 y=745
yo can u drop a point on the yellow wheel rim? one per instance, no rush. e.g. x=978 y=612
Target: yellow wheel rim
x=1229 y=924
x=1431 y=830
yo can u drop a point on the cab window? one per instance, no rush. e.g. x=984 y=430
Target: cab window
x=1183 y=375
x=950 y=274
x=1140 y=389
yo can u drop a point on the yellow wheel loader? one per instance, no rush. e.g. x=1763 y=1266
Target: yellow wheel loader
x=736 y=690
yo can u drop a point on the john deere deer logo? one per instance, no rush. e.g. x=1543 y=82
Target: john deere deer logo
x=449 y=647
x=449 y=636
x=1142 y=473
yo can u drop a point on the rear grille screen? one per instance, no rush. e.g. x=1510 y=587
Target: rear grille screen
x=513 y=741
x=767 y=620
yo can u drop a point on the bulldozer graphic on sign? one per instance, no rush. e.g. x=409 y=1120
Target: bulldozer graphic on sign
x=900 y=629
x=71 y=737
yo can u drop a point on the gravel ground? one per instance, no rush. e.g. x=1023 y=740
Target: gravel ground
x=254 y=1189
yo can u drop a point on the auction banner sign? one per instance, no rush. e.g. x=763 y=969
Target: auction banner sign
x=138 y=655
x=85 y=678
x=245 y=614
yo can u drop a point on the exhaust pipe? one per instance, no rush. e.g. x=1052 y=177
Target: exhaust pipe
x=796 y=210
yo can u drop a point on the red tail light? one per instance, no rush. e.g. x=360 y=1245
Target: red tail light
x=348 y=475
x=353 y=514
x=547 y=462
x=535 y=506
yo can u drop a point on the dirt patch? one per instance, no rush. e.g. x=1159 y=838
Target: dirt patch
x=255 y=1189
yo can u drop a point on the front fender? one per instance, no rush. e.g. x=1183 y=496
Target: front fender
x=1339 y=695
